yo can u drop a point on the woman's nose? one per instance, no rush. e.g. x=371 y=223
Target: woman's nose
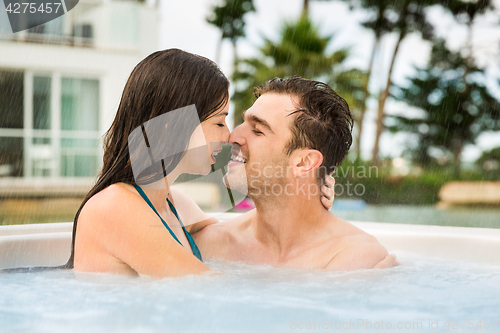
x=225 y=136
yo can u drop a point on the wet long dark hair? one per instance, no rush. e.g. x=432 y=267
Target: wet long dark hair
x=164 y=81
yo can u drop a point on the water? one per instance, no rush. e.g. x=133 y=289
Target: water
x=245 y=298
x=429 y=215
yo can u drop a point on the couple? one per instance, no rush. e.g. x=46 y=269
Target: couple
x=295 y=134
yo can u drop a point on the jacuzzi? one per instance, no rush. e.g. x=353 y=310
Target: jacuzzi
x=49 y=244
x=449 y=281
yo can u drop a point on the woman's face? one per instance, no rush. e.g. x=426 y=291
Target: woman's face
x=216 y=131
x=206 y=142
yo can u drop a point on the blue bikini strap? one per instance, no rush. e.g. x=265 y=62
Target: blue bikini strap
x=194 y=247
x=145 y=197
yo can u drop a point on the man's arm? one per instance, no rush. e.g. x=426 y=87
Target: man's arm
x=388 y=262
x=363 y=256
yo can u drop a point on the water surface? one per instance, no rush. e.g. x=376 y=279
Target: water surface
x=478 y=217
x=245 y=298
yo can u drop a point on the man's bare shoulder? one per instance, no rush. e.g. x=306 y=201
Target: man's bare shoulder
x=357 y=249
x=216 y=240
x=344 y=231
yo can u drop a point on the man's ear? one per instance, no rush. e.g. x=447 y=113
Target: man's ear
x=304 y=161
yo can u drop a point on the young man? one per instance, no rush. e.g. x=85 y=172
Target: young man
x=297 y=131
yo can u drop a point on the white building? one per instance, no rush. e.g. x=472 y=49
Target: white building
x=60 y=86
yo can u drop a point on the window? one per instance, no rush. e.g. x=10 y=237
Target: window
x=79 y=114
x=41 y=157
x=41 y=102
x=11 y=123
x=49 y=125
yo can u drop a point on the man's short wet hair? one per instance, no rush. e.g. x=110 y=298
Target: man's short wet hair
x=323 y=120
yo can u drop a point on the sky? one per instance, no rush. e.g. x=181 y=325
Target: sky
x=183 y=25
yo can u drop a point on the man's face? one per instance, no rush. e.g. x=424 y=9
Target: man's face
x=259 y=158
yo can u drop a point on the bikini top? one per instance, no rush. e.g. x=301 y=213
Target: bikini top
x=194 y=248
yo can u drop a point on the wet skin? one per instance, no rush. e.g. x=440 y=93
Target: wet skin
x=284 y=230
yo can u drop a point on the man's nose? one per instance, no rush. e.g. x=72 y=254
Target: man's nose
x=236 y=136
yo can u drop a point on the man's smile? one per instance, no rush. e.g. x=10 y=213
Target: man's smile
x=237 y=157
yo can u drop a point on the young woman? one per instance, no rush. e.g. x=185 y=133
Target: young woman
x=124 y=228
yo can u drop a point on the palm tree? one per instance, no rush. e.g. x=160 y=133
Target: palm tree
x=411 y=18
x=380 y=25
x=305 y=7
x=469 y=10
x=452 y=114
x=300 y=50
x=229 y=19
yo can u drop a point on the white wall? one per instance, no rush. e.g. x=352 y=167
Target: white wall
x=110 y=59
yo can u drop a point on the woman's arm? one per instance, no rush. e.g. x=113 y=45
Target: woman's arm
x=192 y=216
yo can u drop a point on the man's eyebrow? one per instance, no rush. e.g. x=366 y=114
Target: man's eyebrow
x=262 y=122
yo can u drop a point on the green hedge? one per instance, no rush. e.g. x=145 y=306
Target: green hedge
x=384 y=188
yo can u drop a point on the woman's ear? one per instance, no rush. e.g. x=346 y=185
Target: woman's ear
x=305 y=161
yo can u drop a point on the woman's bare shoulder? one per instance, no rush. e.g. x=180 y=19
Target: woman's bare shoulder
x=101 y=221
x=117 y=190
x=112 y=203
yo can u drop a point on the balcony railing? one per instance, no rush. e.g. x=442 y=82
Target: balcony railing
x=67 y=40
x=98 y=24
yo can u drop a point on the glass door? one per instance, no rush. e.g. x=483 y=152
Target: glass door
x=42 y=157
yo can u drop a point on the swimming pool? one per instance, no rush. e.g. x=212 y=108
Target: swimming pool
x=450 y=274
x=420 y=296
x=460 y=216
